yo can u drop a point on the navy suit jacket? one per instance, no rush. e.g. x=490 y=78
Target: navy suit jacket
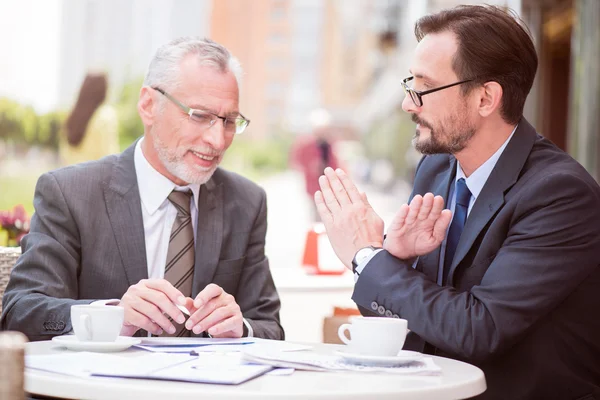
x=523 y=294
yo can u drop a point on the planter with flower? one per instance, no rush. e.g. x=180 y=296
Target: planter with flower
x=14 y=224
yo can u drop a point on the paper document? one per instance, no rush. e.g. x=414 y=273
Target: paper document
x=193 y=342
x=312 y=361
x=73 y=364
x=191 y=345
x=213 y=345
x=207 y=368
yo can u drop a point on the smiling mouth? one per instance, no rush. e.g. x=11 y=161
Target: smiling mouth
x=204 y=156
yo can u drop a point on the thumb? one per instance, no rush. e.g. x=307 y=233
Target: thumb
x=365 y=200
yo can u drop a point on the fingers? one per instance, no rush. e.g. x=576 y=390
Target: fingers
x=152 y=299
x=163 y=304
x=436 y=208
x=350 y=189
x=213 y=312
x=220 y=315
x=426 y=206
x=364 y=199
x=330 y=200
x=210 y=291
x=337 y=187
x=140 y=321
x=167 y=288
x=322 y=209
x=226 y=328
x=150 y=313
x=197 y=317
x=400 y=218
x=441 y=225
x=415 y=207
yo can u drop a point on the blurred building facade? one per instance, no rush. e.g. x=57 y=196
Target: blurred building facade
x=298 y=55
x=564 y=103
x=119 y=37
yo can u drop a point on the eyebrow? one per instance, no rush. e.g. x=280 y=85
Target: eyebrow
x=203 y=108
x=422 y=76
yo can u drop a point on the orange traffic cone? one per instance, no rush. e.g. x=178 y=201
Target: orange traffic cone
x=319 y=257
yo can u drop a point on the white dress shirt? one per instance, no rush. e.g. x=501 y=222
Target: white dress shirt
x=475 y=183
x=159 y=214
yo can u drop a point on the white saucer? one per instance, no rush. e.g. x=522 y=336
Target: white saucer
x=72 y=343
x=403 y=357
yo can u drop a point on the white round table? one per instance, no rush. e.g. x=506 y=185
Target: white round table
x=458 y=381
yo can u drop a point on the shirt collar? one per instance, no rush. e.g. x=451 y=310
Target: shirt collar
x=477 y=180
x=153 y=186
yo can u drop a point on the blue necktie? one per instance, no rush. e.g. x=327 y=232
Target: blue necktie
x=463 y=197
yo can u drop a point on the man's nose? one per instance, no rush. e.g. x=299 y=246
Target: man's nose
x=215 y=135
x=408 y=105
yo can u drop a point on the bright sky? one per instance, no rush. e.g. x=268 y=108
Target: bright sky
x=29 y=51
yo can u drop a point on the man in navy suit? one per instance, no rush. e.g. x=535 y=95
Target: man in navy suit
x=508 y=277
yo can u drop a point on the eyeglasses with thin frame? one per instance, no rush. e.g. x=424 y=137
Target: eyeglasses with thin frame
x=417 y=95
x=207 y=119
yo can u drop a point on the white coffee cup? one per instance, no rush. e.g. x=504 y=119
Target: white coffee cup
x=374 y=336
x=97 y=323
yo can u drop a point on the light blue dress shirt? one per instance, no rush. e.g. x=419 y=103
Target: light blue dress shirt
x=475 y=183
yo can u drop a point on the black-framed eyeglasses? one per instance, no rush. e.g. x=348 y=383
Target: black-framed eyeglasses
x=206 y=119
x=417 y=95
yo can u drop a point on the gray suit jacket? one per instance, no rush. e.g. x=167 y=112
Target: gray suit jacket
x=87 y=243
x=523 y=290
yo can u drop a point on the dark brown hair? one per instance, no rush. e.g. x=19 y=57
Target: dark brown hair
x=493 y=45
x=91 y=96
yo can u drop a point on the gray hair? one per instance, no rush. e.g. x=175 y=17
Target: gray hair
x=163 y=70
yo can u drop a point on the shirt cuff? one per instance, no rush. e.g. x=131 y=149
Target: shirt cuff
x=249 y=327
x=110 y=302
x=362 y=265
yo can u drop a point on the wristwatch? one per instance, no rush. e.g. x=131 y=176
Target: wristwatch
x=360 y=256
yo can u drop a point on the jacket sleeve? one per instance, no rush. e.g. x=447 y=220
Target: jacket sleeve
x=550 y=248
x=43 y=282
x=256 y=294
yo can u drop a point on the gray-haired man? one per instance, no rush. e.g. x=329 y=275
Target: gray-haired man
x=158 y=225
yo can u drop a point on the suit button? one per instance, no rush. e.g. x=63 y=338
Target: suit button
x=388 y=313
x=395 y=316
x=381 y=310
x=61 y=325
x=374 y=306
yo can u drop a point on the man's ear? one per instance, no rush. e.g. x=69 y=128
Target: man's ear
x=146 y=106
x=490 y=98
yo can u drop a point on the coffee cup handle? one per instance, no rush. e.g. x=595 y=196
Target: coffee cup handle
x=86 y=323
x=342 y=333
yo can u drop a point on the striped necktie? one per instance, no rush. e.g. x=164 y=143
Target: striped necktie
x=179 y=268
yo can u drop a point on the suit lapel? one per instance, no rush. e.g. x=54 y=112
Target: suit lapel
x=123 y=205
x=490 y=200
x=430 y=262
x=209 y=235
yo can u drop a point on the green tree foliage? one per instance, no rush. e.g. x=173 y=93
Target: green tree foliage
x=20 y=124
x=258 y=158
x=130 y=124
x=390 y=139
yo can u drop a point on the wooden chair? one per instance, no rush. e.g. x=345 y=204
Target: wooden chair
x=8 y=258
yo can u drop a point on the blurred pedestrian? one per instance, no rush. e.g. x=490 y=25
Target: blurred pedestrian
x=312 y=153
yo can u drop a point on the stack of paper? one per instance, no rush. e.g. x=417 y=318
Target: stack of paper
x=196 y=346
x=192 y=345
x=208 y=368
x=312 y=361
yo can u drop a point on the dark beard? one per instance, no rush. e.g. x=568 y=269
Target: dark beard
x=433 y=146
